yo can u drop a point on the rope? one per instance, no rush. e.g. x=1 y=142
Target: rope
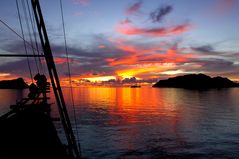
x=69 y=70
x=35 y=36
x=10 y=28
x=25 y=47
x=29 y=32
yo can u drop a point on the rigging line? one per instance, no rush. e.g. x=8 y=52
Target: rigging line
x=6 y=25
x=34 y=37
x=34 y=33
x=28 y=62
x=29 y=31
x=69 y=71
x=36 y=41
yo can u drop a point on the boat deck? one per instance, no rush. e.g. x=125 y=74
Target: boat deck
x=30 y=133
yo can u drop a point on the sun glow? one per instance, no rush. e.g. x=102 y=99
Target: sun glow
x=133 y=72
x=4 y=74
x=100 y=79
x=172 y=72
x=7 y=76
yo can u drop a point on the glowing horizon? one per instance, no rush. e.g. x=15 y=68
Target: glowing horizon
x=145 y=40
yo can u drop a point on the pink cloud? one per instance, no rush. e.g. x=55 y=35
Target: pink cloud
x=171 y=55
x=224 y=6
x=155 y=32
x=61 y=60
x=137 y=54
x=134 y=8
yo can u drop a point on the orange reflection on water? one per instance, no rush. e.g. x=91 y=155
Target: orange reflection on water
x=132 y=104
x=130 y=113
x=142 y=119
x=9 y=97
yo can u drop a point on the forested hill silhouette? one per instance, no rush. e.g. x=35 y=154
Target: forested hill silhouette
x=196 y=81
x=18 y=83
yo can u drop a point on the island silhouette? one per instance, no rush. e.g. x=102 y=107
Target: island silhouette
x=18 y=83
x=196 y=81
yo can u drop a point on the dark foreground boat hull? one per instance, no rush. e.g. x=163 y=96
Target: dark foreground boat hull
x=30 y=134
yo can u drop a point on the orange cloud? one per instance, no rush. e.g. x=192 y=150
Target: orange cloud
x=58 y=60
x=142 y=60
x=140 y=55
x=124 y=46
x=133 y=72
x=61 y=60
x=7 y=76
x=127 y=29
x=128 y=60
x=172 y=56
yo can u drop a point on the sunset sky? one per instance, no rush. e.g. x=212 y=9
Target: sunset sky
x=118 y=39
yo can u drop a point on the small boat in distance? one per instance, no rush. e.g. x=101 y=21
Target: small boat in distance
x=135 y=86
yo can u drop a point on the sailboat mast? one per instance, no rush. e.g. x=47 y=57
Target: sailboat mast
x=54 y=78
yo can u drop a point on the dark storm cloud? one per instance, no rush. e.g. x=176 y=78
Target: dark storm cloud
x=19 y=68
x=129 y=80
x=95 y=61
x=83 y=61
x=204 y=49
x=211 y=65
x=218 y=65
x=158 y=14
x=208 y=50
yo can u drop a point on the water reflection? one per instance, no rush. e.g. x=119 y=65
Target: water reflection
x=9 y=97
x=154 y=123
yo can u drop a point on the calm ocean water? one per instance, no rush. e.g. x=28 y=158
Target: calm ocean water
x=142 y=123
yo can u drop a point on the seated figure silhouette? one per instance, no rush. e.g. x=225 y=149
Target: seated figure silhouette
x=41 y=81
x=40 y=86
x=33 y=91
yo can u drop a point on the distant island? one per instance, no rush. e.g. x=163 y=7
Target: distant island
x=196 y=81
x=18 y=83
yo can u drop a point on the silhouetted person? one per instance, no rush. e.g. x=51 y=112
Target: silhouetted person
x=41 y=81
x=33 y=91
